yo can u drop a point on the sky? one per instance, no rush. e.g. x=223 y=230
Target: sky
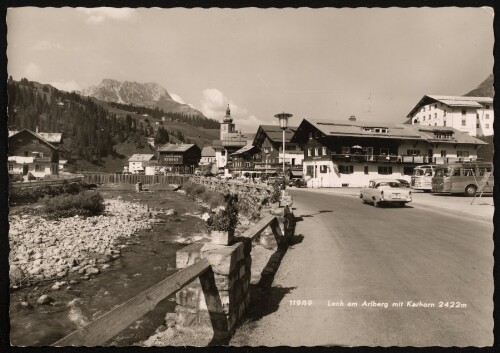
x=324 y=64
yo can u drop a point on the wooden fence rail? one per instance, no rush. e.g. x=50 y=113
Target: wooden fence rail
x=104 y=328
x=99 y=178
x=113 y=322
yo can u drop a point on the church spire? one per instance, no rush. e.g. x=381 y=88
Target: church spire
x=227 y=118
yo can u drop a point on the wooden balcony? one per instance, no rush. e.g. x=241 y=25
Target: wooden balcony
x=382 y=158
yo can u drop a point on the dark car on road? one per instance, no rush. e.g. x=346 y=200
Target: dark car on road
x=297 y=182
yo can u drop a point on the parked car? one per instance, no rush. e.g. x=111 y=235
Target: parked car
x=385 y=191
x=208 y=174
x=297 y=182
x=404 y=183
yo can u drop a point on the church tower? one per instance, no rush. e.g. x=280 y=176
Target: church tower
x=227 y=126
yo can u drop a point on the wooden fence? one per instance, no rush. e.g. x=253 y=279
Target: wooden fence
x=104 y=328
x=101 y=178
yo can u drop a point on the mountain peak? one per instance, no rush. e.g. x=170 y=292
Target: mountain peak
x=485 y=88
x=150 y=94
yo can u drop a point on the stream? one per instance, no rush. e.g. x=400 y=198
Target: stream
x=147 y=259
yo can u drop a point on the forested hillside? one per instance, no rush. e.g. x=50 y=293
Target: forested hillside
x=93 y=130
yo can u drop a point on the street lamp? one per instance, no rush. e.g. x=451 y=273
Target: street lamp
x=283 y=120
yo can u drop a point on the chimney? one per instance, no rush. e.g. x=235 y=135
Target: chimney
x=36 y=129
x=352 y=118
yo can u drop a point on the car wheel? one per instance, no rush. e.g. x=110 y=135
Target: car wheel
x=401 y=204
x=376 y=203
x=470 y=190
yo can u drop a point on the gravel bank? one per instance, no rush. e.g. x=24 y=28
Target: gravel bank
x=43 y=249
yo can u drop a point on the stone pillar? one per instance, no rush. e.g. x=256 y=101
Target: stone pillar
x=220 y=297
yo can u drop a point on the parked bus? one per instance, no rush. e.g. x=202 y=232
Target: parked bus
x=462 y=178
x=422 y=177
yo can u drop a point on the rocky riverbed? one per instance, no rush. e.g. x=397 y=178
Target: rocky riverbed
x=44 y=249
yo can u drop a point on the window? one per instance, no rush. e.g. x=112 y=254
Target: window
x=323 y=152
x=423 y=118
x=247 y=164
x=384 y=151
x=464 y=120
x=316 y=151
x=11 y=167
x=408 y=171
x=429 y=117
x=435 y=116
x=435 y=124
x=223 y=152
x=487 y=106
x=435 y=106
x=444 y=113
x=310 y=170
x=272 y=149
x=444 y=121
x=38 y=168
x=266 y=149
x=385 y=170
x=413 y=152
x=487 y=116
x=26 y=153
x=464 y=111
x=366 y=169
x=346 y=150
x=346 y=169
x=34 y=142
x=443 y=153
x=309 y=152
x=477 y=126
x=323 y=169
x=462 y=153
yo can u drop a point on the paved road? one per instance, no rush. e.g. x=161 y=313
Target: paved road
x=354 y=253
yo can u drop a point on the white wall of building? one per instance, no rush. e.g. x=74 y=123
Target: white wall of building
x=439 y=114
x=221 y=159
x=134 y=167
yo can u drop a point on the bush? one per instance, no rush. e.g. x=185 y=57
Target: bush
x=87 y=203
x=31 y=195
x=225 y=219
x=278 y=185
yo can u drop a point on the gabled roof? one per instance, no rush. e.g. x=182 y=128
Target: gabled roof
x=51 y=137
x=176 y=147
x=14 y=133
x=141 y=157
x=452 y=101
x=274 y=133
x=208 y=151
x=244 y=149
x=394 y=131
x=428 y=133
x=355 y=128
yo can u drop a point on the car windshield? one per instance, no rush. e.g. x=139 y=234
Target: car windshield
x=392 y=184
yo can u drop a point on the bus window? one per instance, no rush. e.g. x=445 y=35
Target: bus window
x=445 y=172
x=428 y=172
x=467 y=172
x=484 y=170
x=455 y=172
